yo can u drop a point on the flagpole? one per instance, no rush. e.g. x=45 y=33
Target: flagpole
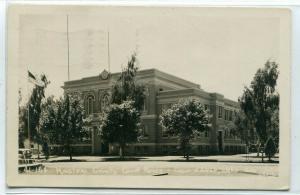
x=108 y=53
x=68 y=45
x=28 y=120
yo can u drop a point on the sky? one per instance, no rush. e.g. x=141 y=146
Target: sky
x=221 y=51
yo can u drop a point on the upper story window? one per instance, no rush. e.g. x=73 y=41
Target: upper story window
x=205 y=106
x=90 y=104
x=220 y=112
x=104 y=102
x=145 y=105
x=230 y=115
x=226 y=115
x=146 y=94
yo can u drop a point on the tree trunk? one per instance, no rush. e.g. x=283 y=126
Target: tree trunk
x=121 y=151
x=187 y=156
x=262 y=156
x=38 y=145
x=70 y=153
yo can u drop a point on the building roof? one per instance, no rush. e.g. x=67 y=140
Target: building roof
x=142 y=74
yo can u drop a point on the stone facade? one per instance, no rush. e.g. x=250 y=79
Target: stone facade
x=162 y=90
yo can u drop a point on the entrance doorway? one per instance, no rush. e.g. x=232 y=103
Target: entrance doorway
x=104 y=148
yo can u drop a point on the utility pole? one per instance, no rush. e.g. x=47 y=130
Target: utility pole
x=108 y=52
x=68 y=45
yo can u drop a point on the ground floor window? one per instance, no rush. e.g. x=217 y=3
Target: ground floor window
x=141 y=149
x=203 y=149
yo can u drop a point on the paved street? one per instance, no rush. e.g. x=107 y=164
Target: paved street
x=234 y=165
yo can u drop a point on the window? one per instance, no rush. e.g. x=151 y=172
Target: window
x=145 y=149
x=145 y=130
x=164 y=131
x=104 y=102
x=235 y=113
x=227 y=133
x=137 y=149
x=230 y=115
x=220 y=113
x=207 y=148
x=206 y=107
x=90 y=104
x=200 y=149
x=206 y=133
x=145 y=104
x=226 y=115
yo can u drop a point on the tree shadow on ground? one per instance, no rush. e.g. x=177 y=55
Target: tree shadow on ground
x=258 y=157
x=68 y=160
x=193 y=160
x=222 y=161
x=109 y=159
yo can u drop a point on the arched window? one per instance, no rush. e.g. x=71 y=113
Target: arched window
x=90 y=104
x=104 y=102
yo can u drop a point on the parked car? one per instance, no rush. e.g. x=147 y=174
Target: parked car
x=24 y=153
x=252 y=148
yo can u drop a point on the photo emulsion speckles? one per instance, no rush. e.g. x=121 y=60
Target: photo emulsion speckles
x=190 y=97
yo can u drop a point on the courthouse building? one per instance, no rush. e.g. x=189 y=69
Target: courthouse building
x=162 y=90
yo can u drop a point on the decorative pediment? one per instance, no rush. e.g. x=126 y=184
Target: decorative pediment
x=104 y=75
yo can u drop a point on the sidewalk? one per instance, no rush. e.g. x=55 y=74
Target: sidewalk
x=238 y=158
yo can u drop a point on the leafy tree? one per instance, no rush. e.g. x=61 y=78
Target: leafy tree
x=48 y=127
x=121 y=124
x=48 y=121
x=33 y=110
x=63 y=123
x=273 y=126
x=244 y=128
x=21 y=130
x=71 y=129
x=185 y=119
x=260 y=101
x=128 y=99
x=270 y=148
x=126 y=88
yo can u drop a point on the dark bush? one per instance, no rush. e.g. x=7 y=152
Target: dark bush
x=270 y=148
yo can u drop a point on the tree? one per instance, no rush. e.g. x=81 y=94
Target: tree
x=63 y=122
x=185 y=119
x=48 y=120
x=126 y=88
x=48 y=127
x=121 y=124
x=33 y=111
x=128 y=99
x=274 y=126
x=244 y=128
x=260 y=101
x=71 y=129
x=21 y=110
x=270 y=148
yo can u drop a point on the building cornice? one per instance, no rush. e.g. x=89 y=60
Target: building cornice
x=141 y=75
